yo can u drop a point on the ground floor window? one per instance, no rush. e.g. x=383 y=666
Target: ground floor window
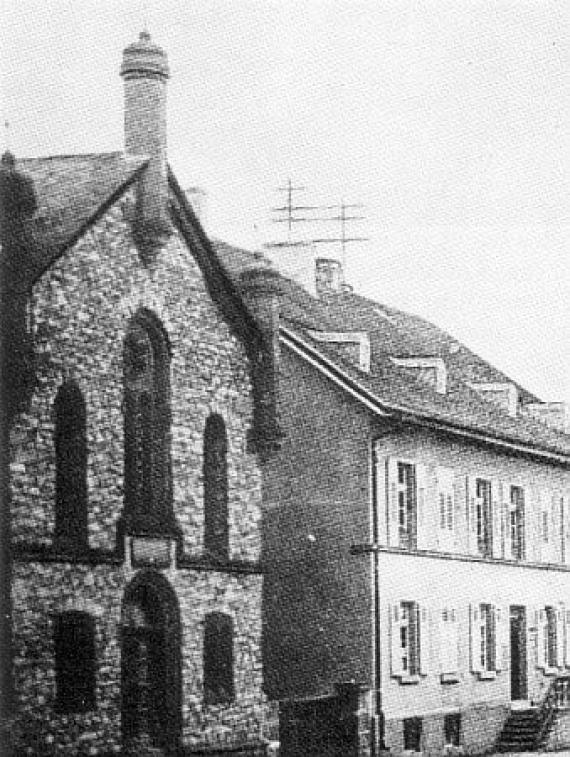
x=412 y=734
x=452 y=729
x=74 y=646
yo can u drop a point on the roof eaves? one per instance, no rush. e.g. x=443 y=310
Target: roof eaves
x=400 y=412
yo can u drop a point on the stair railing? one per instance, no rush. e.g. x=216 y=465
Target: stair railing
x=557 y=697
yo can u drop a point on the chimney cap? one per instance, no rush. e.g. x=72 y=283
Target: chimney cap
x=143 y=59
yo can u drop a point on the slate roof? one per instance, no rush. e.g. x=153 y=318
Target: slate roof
x=393 y=332
x=72 y=191
x=75 y=190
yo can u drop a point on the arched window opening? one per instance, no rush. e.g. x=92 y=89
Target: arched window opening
x=218 y=658
x=147 y=426
x=70 y=439
x=75 y=664
x=216 y=527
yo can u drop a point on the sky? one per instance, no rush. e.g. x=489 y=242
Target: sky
x=449 y=122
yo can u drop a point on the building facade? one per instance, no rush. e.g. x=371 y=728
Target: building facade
x=135 y=455
x=417 y=528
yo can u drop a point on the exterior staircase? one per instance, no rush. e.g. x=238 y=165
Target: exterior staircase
x=528 y=730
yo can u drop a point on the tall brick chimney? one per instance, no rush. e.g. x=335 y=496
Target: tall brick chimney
x=145 y=73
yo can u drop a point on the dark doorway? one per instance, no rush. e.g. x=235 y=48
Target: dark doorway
x=150 y=665
x=519 y=689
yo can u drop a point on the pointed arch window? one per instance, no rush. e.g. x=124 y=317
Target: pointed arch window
x=147 y=425
x=70 y=438
x=216 y=526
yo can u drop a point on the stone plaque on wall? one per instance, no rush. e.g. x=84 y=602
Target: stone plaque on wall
x=150 y=552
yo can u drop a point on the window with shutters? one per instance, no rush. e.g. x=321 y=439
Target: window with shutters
x=218 y=659
x=407 y=505
x=70 y=439
x=409 y=641
x=216 y=536
x=483 y=517
x=517 y=522
x=74 y=646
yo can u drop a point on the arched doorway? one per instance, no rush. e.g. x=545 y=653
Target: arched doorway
x=150 y=666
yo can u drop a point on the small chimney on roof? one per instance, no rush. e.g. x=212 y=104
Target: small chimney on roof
x=329 y=277
x=145 y=73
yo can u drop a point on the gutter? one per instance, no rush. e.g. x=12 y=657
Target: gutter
x=391 y=410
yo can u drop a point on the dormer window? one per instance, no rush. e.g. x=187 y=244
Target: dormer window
x=428 y=370
x=354 y=345
x=504 y=395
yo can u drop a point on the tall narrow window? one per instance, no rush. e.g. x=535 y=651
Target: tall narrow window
x=483 y=515
x=147 y=426
x=216 y=536
x=74 y=643
x=407 y=505
x=70 y=468
x=218 y=659
x=409 y=641
x=517 y=523
x=487 y=632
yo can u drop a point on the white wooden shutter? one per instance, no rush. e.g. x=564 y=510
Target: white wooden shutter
x=560 y=636
x=448 y=641
x=531 y=525
x=496 y=519
x=502 y=633
x=392 y=500
x=424 y=630
x=471 y=510
x=567 y=638
x=444 y=663
x=565 y=507
x=444 y=492
x=505 y=504
x=395 y=640
x=460 y=515
x=540 y=617
x=423 y=519
x=545 y=521
x=380 y=494
x=475 y=637
x=557 y=528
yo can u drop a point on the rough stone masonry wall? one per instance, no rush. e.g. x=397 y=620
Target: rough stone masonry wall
x=81 y=309
x=46 y=590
